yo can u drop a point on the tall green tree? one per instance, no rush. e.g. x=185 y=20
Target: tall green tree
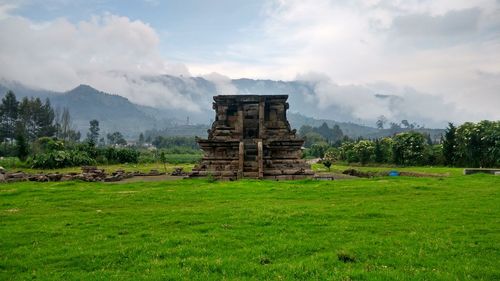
x=408 y=148
x=9 y=109
x=312 y=138
x=141 y=139
x=22 y=146
x=45 y=120
x=93 y=134
x=364 y=150
x=65 y=124
x=116 y=138
x=324 y=131
x=37 y=118
x=449 y=145
x=468 y=145
x=332 y=135
x=25 y=113
x=378 y=152
x=313 y=135
x=66 y=130
x=337 y=134
x=382 y=150
x=34 y=113
x=478 y=144
x=319 y=149
x=381 y=122
x=395 y=128
x=347 y=152
x=304 y=129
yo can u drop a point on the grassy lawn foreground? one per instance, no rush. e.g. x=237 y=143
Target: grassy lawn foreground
x=367 y=229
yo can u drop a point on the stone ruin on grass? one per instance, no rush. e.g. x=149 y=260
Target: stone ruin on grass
x=88 y=174
x=251 y=138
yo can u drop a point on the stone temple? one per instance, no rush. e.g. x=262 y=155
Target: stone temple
x=251 y=138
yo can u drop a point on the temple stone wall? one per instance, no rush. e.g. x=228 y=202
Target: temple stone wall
x=251 y=138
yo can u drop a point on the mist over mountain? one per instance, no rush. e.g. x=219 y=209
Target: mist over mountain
x=313 y=95
x=22 y=90
x=117 y=113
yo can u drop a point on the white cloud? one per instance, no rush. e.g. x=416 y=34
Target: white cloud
x=365 y=103
x=6 y=9
x=435 y=46
x=222 y=84
x=109 y=52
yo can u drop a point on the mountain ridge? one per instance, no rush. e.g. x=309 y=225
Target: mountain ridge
x=118 y=113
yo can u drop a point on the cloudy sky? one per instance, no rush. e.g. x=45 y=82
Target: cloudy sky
x=441 y=56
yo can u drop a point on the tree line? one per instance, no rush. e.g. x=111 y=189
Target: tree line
x=469 y=145
x=472 y=144
x=322 y=134
x=45 y=138
x=23 y=122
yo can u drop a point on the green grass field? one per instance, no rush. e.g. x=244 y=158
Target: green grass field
x=365 y=229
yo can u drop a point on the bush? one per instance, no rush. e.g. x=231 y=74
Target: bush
x=434 y=155
x=12 y=163
x=332 y=154
x=364 y=150
x=46 y=144
x=478 y=145
x=61 y=159
x=84 y=154
x=113 y=155
x=347 y=152
x=319 y=149
x=8 y=149
x=327 y=163
x=88 y=148
x=147 y=157
x=126 y=155
x=408 y=148
x=383 y=150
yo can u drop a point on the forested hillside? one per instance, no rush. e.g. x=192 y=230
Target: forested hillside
x=117 y=113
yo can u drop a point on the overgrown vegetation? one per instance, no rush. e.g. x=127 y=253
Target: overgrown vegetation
x=52 y=153
x=469 y=145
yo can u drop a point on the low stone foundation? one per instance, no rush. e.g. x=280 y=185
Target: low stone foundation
x=471 y=171
x=88 y=174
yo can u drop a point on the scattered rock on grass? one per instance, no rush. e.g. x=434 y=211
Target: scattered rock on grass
x=178 y=171
x=358 y=173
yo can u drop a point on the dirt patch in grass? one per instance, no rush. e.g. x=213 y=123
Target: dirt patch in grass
x=346 y=257
x=363 y=174
x=422 y=175
x=371 y=174
x=150 y=179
